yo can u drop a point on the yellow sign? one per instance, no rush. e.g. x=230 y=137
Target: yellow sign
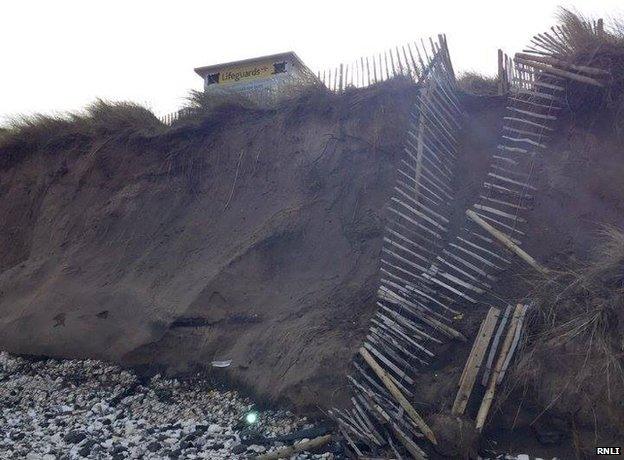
x=241 y=74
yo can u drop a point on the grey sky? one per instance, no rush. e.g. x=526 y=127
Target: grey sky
x=60 y=55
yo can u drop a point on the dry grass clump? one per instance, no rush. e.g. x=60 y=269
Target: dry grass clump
x=573 y=357
x=203 y=114
x=479 y=84
x=582 y=41
x=585 y=41
x=205 y=111
x=51 y=133
x=200 y=104
x=120 y=117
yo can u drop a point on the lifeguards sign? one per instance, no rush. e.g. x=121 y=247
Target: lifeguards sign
x=247 y=73
x=244 y=73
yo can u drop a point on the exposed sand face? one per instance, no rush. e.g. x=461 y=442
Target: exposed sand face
x=254 y=238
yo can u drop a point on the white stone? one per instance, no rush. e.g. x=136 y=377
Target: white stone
x=107 y=444
x=214 y=428
x=256 y=448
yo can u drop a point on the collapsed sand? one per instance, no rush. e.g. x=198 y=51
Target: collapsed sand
x=252 y=237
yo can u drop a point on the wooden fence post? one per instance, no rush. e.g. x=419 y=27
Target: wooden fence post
x=340 y=85
x=501 y=74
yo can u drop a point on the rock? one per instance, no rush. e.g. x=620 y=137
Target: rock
x=550 y=437
x=18 y=435
x=153 y=446
x=239 y=449
x=456 y=436
x=107 y=444
x=257 y=449
x=214 y=428
x=186 y=444
x=119 y=449
x=74 y=437
x=85 y=450
x=100 y=408
x=550 y=432
x=63 y=409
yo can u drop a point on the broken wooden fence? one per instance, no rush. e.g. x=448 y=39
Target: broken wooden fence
x=428 y=277
x=496 y=224
x=492 y=371
x=410 y=318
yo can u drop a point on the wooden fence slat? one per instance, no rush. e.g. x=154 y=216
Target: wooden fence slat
x=560 y=72
x=505 y=240
x=475 y=359
x=489 y=394
x=396 y=393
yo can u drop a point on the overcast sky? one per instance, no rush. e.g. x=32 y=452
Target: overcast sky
x=59 y=55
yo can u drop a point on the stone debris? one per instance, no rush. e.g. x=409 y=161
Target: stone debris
x=514 y=457
x=72 y=409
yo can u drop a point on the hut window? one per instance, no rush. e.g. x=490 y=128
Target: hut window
x=279 y=67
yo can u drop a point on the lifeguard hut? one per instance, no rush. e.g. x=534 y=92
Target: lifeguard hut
x=258 y=78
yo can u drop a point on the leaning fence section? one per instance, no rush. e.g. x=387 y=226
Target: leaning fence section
x=496 y=224
x=410 y=320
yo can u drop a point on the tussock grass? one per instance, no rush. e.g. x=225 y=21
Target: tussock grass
x=108 y=118
x=573 y=357
x=52 y=133
x=202 y=114
x=201 y=104
x=479 y=84
x=206 y=110
x=581 y=41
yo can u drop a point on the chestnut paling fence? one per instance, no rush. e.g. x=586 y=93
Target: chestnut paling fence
x=428 y=277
